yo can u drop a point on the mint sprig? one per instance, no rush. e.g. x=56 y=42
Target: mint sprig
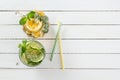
x=23 y=20
x=31 y=14
x=22 y=46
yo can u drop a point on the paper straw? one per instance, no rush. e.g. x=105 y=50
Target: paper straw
x=61 y=53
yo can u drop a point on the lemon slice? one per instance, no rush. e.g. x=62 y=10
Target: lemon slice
x=33 y=26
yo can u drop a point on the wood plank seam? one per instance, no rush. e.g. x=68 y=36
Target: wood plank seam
x=64 y=10
x=60 y=68
x=62 y=38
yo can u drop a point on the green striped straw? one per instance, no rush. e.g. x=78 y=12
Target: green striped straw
x=57 y=35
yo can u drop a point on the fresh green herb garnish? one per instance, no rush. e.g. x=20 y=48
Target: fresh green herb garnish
x=44 y=19
x=23 y=20
x=23 y=46
x=31 y=14
x=46 y=28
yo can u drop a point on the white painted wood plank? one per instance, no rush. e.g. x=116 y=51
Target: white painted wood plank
x=68 y=31
x=60 y=75
x=69 y=46
x=60 y=4
x=68 y=17
x=75 y=61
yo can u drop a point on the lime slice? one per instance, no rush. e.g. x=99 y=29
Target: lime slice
x=34 y=45
x=23 y=58
x=34 y=51
x=34 y=56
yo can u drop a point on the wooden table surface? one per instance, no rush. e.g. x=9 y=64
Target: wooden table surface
x=90 y=37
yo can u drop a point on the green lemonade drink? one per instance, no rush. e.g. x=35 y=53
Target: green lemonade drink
x=31 y=52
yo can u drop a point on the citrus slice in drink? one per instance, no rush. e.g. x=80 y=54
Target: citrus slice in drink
x=33 y=26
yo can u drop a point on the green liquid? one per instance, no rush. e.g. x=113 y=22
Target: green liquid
x=33 y=53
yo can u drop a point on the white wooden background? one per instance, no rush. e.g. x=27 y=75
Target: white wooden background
x=90 y=36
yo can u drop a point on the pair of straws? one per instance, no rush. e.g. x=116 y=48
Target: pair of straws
x=59 y=24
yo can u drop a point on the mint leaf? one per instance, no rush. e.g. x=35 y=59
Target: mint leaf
x=31 y=14
x=37 y=16
x=44 y=19
x=45 y=30
x=22 y=46
x=23 y=20
x=24 y=41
